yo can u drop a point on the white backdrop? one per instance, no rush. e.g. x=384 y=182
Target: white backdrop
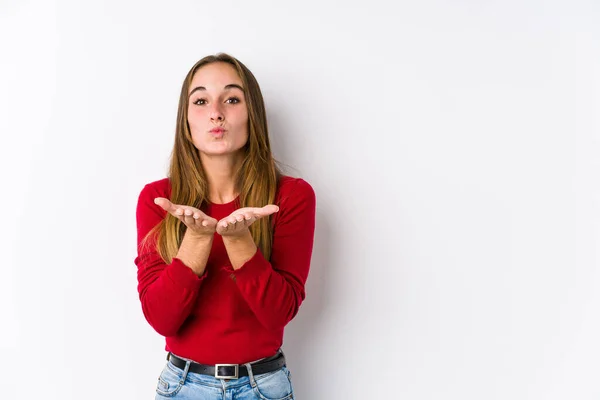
x=453 y=147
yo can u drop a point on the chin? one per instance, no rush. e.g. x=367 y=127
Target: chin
x=219 y=152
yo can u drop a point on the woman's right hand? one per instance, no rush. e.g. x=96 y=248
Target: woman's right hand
x=200 y=224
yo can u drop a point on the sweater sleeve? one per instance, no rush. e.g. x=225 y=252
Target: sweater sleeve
x=274 y=290
x=167 y=291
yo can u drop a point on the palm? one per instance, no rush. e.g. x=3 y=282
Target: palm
x=199 y=223
x=241 y=219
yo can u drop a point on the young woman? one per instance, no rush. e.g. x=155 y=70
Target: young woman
x=224 y=244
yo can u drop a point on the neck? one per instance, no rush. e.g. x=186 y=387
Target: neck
x=220 y=174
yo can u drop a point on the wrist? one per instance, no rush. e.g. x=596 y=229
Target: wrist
x=242 y=236
x=198 y=238
x=240 y=249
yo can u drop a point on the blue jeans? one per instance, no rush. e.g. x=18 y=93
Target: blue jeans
x=180 y=384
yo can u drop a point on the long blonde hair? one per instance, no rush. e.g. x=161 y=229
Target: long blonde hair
x=256 y=179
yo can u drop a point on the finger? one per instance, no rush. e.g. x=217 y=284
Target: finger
x=232 y=219
x=270 y=209
x=174 y=209
x=221 y=230
x=265 y=211
x=184 y=213
x=248 y=222
x=230 y=224
x=249 y=218
x=207 y=222
x=260 y=212
x=165 y=204
x=226 y=227
x=188 y=211
x=188 y=217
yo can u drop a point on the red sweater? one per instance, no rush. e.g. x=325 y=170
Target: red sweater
x=227 y=315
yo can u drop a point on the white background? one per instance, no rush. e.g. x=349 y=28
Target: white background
x=453 y=147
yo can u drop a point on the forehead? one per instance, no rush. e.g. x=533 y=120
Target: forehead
x=215 y=76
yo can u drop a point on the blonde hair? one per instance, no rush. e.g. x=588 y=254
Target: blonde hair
x=256 y=179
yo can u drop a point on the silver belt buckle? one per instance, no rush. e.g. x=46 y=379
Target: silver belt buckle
x=219 y=376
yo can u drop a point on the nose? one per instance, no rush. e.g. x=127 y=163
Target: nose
x=216 y=114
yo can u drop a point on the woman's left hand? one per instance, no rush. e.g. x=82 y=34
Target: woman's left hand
x=237 y=223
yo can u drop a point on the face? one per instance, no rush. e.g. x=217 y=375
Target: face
x=217 y=113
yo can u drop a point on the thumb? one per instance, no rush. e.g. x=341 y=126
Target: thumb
x=165 y=204
x=270 y=209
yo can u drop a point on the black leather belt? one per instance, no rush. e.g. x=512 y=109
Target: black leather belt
x=231 y=371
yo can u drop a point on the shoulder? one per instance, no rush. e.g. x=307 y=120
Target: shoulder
x=293 y=188
x=159 y=188
x=145 y=206
x=296 y=200
x=148 y=214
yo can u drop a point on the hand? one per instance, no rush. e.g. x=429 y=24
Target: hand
x=238 y=222
x=197 y=222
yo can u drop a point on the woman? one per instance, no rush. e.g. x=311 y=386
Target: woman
x=224 y=244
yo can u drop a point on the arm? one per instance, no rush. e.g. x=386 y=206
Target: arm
x=194 y=252
x=239 y=249
x=167 y=291
x=274 y=290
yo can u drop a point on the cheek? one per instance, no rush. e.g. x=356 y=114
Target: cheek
x=241 y=119
x=195 y=114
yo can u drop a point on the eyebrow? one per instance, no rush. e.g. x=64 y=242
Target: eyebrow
x=230 y=86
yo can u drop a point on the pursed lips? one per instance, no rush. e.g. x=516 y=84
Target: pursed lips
x=217 y=132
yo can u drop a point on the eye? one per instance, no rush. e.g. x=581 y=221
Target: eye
x=231 y=100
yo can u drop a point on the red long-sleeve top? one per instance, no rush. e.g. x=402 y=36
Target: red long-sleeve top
x=227 y=315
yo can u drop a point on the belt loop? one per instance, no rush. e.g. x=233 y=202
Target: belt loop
x=185 y=372
x=168 y=355
x=250 y=375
